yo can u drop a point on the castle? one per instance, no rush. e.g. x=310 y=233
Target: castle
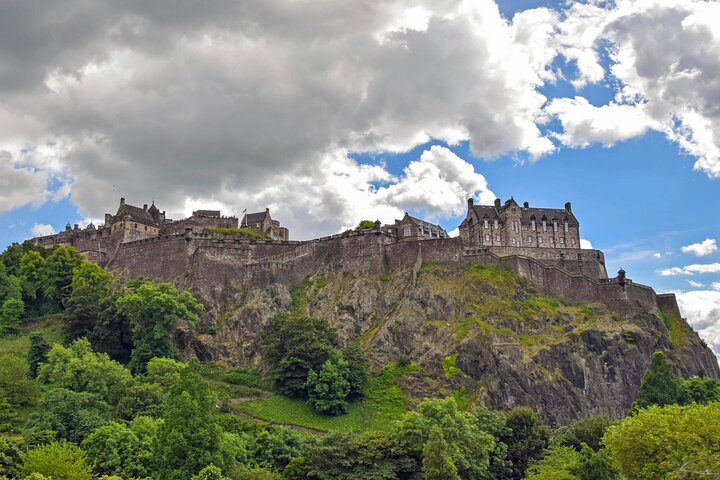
x=207 y=252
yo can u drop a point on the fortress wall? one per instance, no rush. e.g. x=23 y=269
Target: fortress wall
x=575 y=260
x=667 y=303
x=199 y=223
x=443 y=251
x=159 y=258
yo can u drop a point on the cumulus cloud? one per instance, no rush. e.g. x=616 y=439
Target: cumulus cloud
x=695 y=284
x=176 y=102
x=702 y=310
x=706 y=247
x=585 y=244
x=42 y=229
x=665 y=60
x=691 y=269
x=20 y=185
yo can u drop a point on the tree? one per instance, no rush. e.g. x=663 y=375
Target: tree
x=494 y=423
x=357 y=369
x=12 y=308
x=141 y=399
x=588 y=431
x=153 y=310
x=77 y=368
x=211 y=472
x=117 y=449
x=437 y=464
x=37 y=353
x=57 y=460
x=557 y=464
x=526 y=439
x=469 y=447
x=14 y=381
x=189 y=437
x=90 y=290
x=594 y=465
x=57 y=281
x=32 y=271
x=365 y=225
x=659 y=386
x=7 y=413
x=328 y=390
x=667 y=442
x=66 y=415
x=700 y=390
x=294 y=345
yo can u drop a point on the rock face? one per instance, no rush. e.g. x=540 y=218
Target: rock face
x=480 y=331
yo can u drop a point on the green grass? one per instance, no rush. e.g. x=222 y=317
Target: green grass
x=248 y=378
x=246 y=232
x=677 y=330
x=50 y=326
x=383 y=403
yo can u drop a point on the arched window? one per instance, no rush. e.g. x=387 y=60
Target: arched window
x=544 y=224
x=496 y=224
x=533 y=225
x=555 y=225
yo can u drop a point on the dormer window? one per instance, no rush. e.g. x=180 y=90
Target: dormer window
x=566 y=225
x=533 y=225
x=555 y=225
x=486 y=224
x=496 y=225
x=544 y=225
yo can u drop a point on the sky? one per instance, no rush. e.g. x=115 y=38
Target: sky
x=331 y=112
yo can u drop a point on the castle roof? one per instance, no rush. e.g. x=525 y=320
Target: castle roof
x=153 y=210
x=492 y=212
x=136 y=213
x=258 y=217
x=426 y=224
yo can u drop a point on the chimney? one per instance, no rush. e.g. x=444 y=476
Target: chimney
x=67 y=227
x=108 y=219
x=122 y=201
x=267 y=210
x=526 y=205
x=145 y=207
x=568 y=207
x=77 y=227
x=470 y=203
x=497 y=203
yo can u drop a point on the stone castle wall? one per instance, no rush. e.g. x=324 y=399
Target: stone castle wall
x=210 y=262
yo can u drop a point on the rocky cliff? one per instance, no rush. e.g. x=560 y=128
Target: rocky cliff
x=479 y=331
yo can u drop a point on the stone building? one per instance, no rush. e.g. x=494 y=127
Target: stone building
x=512 y=225
x=263 y=222
x=412 y=228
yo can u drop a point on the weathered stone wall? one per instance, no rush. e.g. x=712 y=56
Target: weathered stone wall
x=197 y=223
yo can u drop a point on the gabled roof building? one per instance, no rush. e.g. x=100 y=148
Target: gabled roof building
x=512 y=225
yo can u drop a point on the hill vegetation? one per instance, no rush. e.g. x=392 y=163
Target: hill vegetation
x=92 y=384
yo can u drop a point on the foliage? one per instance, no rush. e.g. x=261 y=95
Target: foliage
x=68 y=415
x=90 y=291
x=11 y=312
x=357 y=372
x=328 y=390
x=437 y=464
x=211 y=472
x=494 y=423
x=248 y=378
x=700 y=390
x=7 y=413
x=557 y=464
x=658 y=442
x=163 y=371
x=245 y=232
x=364 y=225
x=10 y=450
x=57 y=280
x=79 y=369
x=469 y=447
x=189 y=437
x=117 y=449
x=588 y=431
x=153 y=309
x=275 y=447
x=294 y=345
x=37 y=353
x=449 y=368
x=659 y=386
x=57 y=460
x=141 y=399
x=526 y=439
x=14 y=381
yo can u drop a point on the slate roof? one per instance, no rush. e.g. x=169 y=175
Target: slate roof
x=136 y=213
x=526 y=213
x=252 y=218
x=423 y=223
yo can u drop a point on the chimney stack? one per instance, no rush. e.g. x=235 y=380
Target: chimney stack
x=568 y=207
x=145 y=207
x=497 y=203
x=122 y=201
x=470 y=203
x=526 y=205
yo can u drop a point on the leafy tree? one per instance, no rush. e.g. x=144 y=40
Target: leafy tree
x=526 y=439
x=328 y=390
x=437 y=464
x=79 y=369
x=494 y=423
x=141 y=399
x=659 y=386
x=588 y=431
x=163 y=371
x=7 y=413
x=365 y=225
x=57 y=460
x=594 y=465
x=469 y=447
x=12 y=308
x=57 y=281
x=700 y=390
x=211 y=472
x=666 y=442
x=90 y=290
x=153 y=309
x=10 y=450
x=274 y=448
x=357 y=373
x=37 y=353
x=14 y=381
x=189 y=438
x=67 y=415
x=117 y=449
x=294 y=345
x=557 y=464
x=32 y=273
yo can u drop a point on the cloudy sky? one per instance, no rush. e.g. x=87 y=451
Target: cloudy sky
x=330 y=112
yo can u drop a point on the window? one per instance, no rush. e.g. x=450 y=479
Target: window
x=533 y=226
x=555 y=225
x=495 y=224
x=486 y=224
x=540 y=240
x=497 y=238
x=562 y=240
x=565 y=224
x=544 y=225
x=572 y=241
x=407 y=230
x=514 y=242
x=552 y=240
x=487 y=237
x=529 y=239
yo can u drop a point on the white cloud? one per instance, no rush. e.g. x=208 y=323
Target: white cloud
x=42 y=229
x=20 y=185
x=706 y=247
x=657 y=255
x=695 y=284
x=691 y=269
x=702 y=310
x=585 y=244
x=715 y=286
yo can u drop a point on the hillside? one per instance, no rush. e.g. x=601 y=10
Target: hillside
x=479 y=332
